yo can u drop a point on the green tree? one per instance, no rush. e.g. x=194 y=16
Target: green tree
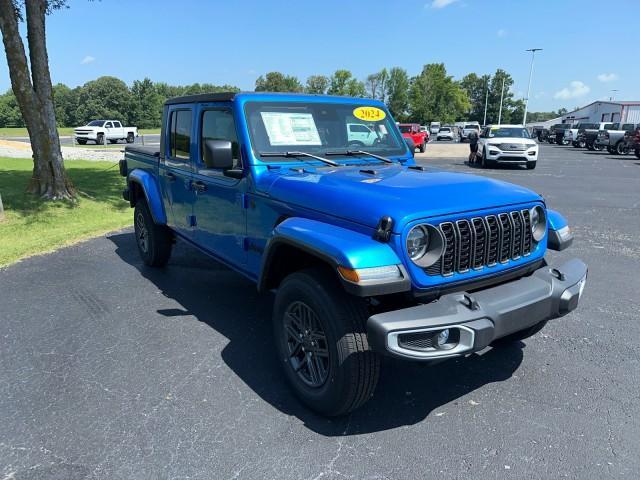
x=278 y=82
x=343 y=83
x=146 y=104
x=10 y=115
x=397 y=93
x=65 y=100
x=317 y=84
x=476 y=88
x=436 y=96
x=509 y=105
x=105 y=97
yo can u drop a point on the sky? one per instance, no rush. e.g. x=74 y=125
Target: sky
x=233 y=42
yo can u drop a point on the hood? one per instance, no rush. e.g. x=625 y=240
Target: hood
x=511 y=140
x=364 y=194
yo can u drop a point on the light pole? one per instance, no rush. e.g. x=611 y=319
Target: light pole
x=526 y=104
x=614 y=93
x=486 y=101
x=501 y=97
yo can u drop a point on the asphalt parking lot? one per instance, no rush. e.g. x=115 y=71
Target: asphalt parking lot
x=112 y=370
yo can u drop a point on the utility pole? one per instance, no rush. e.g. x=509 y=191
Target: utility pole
x=501 y=97
x=526 y=104
x=486 y=101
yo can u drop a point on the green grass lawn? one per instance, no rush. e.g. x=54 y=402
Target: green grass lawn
x=32 y=226
x=66 y=131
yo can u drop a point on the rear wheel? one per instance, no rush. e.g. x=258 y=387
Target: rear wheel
x=422 y=147
x=130 y=137
x=638 y=152
x=321 y=340
x=621 y=148
x=154 y=241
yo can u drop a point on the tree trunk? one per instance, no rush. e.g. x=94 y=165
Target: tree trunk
x=49 y=179
x=1 y=209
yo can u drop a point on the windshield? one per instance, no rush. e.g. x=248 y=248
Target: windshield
x=405 y=128
x=319 y=128
x=445 y=129
x=96 y=123
x=509 y=132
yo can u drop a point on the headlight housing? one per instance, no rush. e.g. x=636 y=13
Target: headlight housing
x=424 y=245
x=538 y=222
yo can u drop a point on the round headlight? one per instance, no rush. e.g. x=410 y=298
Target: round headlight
x=538 y=223
x=417 y=242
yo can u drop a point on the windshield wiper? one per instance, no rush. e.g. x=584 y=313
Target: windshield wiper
x=298 y=154
x=351 y=153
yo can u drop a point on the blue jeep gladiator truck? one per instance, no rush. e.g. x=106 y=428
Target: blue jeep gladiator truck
x=368 y=253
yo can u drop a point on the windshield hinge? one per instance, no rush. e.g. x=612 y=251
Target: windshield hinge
x=383 y=230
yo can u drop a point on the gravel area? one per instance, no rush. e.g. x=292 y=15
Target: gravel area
x=13 y=149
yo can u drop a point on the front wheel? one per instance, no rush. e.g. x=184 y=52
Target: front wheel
x=597 y=147
x=423 y=147
x=531 y=165
x=582 y=144
x=621 y=148
x=100 y=139
x=321 y=341
x=81 y=141
x=154 y=241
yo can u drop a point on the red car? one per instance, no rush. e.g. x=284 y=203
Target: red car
x=412 y=131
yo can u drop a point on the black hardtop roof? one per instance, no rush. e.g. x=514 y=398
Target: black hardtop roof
x=204 y=97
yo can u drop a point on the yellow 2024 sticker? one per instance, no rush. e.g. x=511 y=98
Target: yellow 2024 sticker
x=369 y=114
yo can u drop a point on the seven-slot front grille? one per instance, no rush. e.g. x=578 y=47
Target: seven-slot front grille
x=483 y=241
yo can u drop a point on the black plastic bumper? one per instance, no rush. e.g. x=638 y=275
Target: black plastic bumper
x=482 y=316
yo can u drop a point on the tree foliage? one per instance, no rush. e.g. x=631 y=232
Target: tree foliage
x=435 y=95
x=343 y=83
x=317 y=84
x=278 y=82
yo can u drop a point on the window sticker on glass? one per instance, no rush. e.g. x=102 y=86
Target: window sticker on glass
x=371 y=114
x=284 y=128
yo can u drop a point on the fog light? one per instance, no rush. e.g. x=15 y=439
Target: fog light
x=443 y=337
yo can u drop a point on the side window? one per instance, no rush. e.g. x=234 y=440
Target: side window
x=219 y=125
x=627 y=126
x=108 y=125
x=117 y=124
x=180 y=140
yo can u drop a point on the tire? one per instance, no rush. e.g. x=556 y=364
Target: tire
x=422 y=147
x=621 y=148
x=582 y=144
x=100 y=139
x=130 y=138
x=154 y=241
x=531 y=165
x=81 y=142
x=348 y=372
x=575 y=144
x=597 y=148
x=520 y=335
x=484 y=163
x=637 y=152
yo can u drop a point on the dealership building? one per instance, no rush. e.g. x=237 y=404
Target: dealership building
x=598 y=111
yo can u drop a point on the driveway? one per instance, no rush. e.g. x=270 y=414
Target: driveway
x=112 y=370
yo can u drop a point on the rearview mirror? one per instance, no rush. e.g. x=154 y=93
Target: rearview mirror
x=218 y=154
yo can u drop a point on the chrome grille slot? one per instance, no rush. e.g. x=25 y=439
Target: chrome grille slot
x=449 y=255
x=481 y=242
x=480 y=234
x=504 y=223
x=465 y=250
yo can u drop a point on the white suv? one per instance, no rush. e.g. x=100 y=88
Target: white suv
x=506 y=144
x=361 y=135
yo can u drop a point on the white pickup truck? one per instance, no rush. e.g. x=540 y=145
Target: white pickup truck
x=100 y=130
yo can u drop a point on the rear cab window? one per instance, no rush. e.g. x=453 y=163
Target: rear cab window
x=180 y=135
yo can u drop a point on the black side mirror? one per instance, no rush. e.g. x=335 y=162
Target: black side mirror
x=218 y=154
x=411 y=145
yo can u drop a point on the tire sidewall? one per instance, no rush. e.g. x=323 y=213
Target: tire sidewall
x=310 y=291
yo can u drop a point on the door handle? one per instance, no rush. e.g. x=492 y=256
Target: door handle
x=199 y=186
x=170 y=176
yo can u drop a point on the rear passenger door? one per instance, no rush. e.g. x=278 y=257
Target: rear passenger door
x=220 y=208
x=176 y=174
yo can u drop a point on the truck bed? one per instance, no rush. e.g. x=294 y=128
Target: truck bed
x=151 y=151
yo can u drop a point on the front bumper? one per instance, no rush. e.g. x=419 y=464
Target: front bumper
x=86 y=135
x=515 y=156
x=480 y=317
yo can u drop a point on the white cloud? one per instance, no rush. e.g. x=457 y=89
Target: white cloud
x=574 y=90
x=87 y=59
x=607 y=77
x=442 y=3
x=501 y=33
